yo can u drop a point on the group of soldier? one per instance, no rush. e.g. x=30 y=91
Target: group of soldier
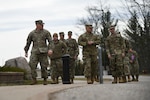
x=54 y=49
x=61 y=47
x=123 y=60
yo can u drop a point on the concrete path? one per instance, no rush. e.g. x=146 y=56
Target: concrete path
x=80 y=90
x=107 y=91
x=33 y=92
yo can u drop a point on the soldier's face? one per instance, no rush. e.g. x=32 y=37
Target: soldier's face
x=39 y=26
x=69 y=35
x=89 y=29
x=61 y=36
x=112 y=30
x=55 y=37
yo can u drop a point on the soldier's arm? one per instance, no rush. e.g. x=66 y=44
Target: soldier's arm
x=81 y=41
x=123 y=46
x=97 y=40
x=28 y=43
x=107 y=47
x=64 y=46
x=50 y=43
x=76 y=48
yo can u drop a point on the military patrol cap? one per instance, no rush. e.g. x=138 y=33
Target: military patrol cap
x=61 y=33
x=70 y=32
x=55 y=35
x=39 y=22
x=88 y=25
x=112 y=27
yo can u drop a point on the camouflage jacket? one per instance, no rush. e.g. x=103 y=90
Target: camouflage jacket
x=64 y=51
x=115 y=44
x=72 y=47
x=127 y=45
x=58 y=46
x=39 y=39
x=83 y=41
x=133 y=56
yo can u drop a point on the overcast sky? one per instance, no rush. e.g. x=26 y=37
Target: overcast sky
x=17 y=20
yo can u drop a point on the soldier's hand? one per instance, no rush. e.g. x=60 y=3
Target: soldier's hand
x=26 y=54
x=50 y=52
x=109 y=56
x=123 y=54
x=75 y=57
x=90 y=42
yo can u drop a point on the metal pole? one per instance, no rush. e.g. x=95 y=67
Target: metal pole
x=100 y=65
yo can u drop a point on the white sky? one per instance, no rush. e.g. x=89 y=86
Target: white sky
x=18 y=16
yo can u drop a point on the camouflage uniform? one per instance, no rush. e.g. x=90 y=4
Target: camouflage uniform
x=115 y=46
x=126 y=61
x=127 y=67
x=134 y=65
x=90 y=53
x=39 y=51
x=56 y=60
x=73 y=51
x=61 y=34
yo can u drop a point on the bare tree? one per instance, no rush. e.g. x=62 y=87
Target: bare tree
x=100 y=17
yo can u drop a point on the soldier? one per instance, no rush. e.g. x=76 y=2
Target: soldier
x=73 y=51
x=40 y=49
x=126 y=67
x=134 y=65
x=115 y=47
x=61 y=35
x=126 y=61
x=88 y=41
x=56 y=61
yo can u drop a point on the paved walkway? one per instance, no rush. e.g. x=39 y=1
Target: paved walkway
x=44 y=92
x=107 y=91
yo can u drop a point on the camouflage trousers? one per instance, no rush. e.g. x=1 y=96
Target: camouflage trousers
x=126 y=69
x=134 y=69
x=56 y=68
x=116 y=65
x=90 y=65
x=72 y=68
x=43 y=60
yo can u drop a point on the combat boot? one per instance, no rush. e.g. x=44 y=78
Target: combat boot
x=71 y=80
x=53 y=81
x=97 y=78
x=57 y=81
x=114 y=81
x=34 y=81
x=124 y=79
x=129 y=80
x=45 y=81
x=137 y=78
x=92 y=79
x=133 y=79
x=89 y=81
x=121 y=80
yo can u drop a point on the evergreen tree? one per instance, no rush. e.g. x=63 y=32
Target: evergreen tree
x=139 y=37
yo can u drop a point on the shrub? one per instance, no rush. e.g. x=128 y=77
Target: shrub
x=11 y=69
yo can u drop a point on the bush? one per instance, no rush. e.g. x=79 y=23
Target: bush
x=11 y=69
